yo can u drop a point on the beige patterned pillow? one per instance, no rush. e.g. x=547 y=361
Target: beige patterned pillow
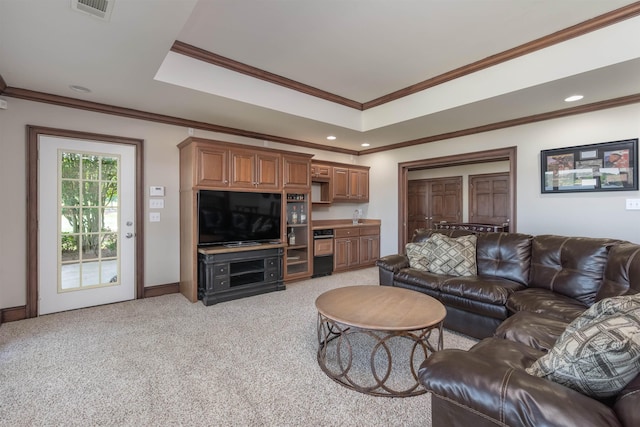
x=417 y=254
x=599 y=352
x=452 y=256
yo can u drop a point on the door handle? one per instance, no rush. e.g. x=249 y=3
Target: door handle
x=128 y=235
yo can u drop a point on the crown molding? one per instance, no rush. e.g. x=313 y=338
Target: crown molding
x=593 y=24
x=587 y=108
x=64 y=101
x=239 y=67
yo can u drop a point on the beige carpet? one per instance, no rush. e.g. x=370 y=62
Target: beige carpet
x=165 y=361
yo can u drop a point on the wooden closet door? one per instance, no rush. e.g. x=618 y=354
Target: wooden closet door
x=489 y=198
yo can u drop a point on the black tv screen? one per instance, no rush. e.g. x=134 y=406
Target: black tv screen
x=229 y=217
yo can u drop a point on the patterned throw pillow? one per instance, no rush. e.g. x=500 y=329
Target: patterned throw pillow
x=599 y=352
x=452 y=256
x=417 y=254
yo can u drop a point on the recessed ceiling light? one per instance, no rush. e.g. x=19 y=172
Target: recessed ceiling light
x=365 y=144
x=573 y=98
x=331 y=137
x=80 y=89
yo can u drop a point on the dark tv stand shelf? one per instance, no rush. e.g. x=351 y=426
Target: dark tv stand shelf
x=226 y=274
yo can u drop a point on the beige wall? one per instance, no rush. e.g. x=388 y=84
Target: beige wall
x=574 y=214
x=593 y=214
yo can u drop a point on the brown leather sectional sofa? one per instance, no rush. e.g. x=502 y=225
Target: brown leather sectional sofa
x=527 y=291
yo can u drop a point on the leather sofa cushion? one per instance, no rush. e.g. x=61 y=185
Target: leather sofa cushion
x=532 y=329
x=422 y=234
x=467 y=305
x=571 y=266
x=546 y=303
x=420 y=279
x=488 y=289
x=622 y=273
x=506 y=255
x=490 y=381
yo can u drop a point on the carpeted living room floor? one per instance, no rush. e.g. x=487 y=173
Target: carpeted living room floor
x=165 y=361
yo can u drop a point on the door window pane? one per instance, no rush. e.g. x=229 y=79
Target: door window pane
x=89 y=218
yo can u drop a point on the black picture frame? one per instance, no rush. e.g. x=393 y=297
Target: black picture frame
x=606 y=166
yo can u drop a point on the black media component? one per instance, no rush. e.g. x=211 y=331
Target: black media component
x=238 y=218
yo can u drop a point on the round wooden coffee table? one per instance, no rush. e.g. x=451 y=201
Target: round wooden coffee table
x=384 y=323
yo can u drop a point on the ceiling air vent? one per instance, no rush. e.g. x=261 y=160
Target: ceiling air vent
x=98 y=8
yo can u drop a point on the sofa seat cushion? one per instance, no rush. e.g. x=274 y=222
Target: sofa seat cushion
x=546 y=303
x=599 y=352
x=532 y=329
x=490 y=381
x=420 y=279
x=487 y=289
x=495 y=311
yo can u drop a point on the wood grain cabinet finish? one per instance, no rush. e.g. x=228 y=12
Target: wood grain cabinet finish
x=209 y=164
x=255 y=170
x=212 y=167
x=356 y=247
x=321 y=172
x=297 y=172
x=350 y=184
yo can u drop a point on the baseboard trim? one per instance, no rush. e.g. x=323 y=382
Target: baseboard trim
x=158 y=290
x=12 y=314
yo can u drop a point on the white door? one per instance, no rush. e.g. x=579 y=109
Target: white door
x=86 y=230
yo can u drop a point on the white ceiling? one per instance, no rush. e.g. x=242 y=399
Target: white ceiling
x=357 y=49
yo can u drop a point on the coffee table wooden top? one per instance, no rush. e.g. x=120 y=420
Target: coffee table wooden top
x=382 y=308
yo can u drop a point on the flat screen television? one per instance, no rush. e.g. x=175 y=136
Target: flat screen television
x=236 y=217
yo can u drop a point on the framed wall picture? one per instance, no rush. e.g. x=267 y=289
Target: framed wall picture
x=607 y=166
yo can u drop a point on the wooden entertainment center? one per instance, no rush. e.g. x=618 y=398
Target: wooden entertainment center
x=228 y=273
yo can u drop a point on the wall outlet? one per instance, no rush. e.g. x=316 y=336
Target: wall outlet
x=633 y=204
x=154 y=216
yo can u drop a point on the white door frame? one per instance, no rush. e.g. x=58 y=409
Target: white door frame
x=33 y=132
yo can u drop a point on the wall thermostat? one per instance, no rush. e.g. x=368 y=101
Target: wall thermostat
x=156 y=191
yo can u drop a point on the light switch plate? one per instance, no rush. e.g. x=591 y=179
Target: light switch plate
x=633 y=204
x=156 y=203
x=154 y=216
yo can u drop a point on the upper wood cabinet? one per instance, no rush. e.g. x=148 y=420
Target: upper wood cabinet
x=216 y=164
x=321 y=172
x=350 y=184
x=251 y=169
x=212 y=166
x=297 y=171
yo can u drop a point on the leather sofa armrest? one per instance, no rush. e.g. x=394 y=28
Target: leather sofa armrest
x=506 y=394
x=393 y=263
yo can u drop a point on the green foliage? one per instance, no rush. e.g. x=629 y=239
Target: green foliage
x=89 y=183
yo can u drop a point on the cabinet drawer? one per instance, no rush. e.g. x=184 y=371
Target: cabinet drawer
x=347 y=232
x=272 y=263
x=370 y=230
x=221 y=269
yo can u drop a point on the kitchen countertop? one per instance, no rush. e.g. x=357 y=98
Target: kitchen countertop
x=323 y=224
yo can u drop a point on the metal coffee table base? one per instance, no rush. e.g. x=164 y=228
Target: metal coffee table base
x=341 y=354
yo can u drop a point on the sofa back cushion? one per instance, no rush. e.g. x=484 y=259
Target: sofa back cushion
x=506 y=255
x=422 y=234
x=622 y=272
x=571 y=266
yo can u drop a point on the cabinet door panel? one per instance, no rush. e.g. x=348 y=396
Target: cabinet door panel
x=242 y=169
x=213 y=167
x=268 y=171
x=297 y=172
x=340 y=184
